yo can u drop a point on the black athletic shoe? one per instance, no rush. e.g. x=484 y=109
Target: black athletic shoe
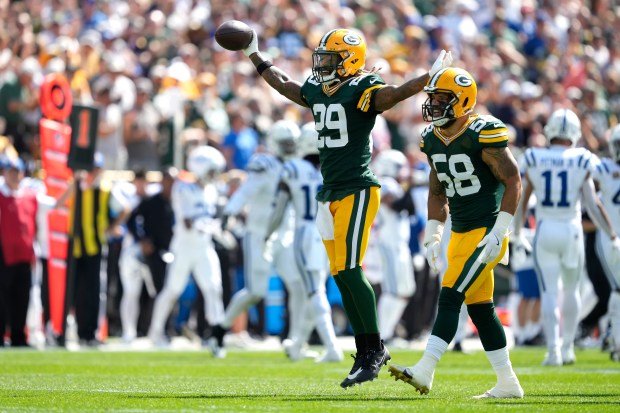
x=366 y=367
x=216 y=342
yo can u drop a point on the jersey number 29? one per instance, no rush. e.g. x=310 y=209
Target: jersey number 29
x=333 y=117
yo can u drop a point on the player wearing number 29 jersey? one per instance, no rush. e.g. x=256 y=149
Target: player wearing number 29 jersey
x=345 y=101
x=344 y=119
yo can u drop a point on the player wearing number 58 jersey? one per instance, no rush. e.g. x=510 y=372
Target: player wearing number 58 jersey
x=474 y=177
x=560 y=177
x=345 y=100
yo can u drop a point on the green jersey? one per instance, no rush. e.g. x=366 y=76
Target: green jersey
x=474 y=194
x=344 y=116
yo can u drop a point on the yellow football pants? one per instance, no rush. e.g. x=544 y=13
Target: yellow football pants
x=465 y=273
x=353 y=217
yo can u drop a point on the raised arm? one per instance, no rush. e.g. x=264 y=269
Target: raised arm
x=388 y=96
x=504 y=167
x=273 y=75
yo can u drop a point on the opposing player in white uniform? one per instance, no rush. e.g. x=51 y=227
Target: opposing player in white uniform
x=194 y=206
x=392 y=230
x=299 y=183
x=257 y=193
x=607 y=174
x=560 y=176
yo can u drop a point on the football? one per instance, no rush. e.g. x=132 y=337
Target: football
x=233 y=35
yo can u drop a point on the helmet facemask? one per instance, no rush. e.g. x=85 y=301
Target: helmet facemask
x=440 y=113
x=326 y=66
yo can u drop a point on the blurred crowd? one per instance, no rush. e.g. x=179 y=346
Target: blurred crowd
x=153 y=66
x=163 y=84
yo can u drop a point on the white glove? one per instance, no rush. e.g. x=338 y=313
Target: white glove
x=521 y=242
x=492 y=242
x=444 y=60
x=253 y=46
x=432 y=242
x=615 y=251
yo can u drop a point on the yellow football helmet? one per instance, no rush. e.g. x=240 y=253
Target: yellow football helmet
x=457 y=83
x=341 y=52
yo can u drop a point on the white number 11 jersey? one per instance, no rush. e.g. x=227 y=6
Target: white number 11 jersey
x=557 y=174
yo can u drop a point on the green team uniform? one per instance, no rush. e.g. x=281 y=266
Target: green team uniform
x=474 y=194
x=344 y=116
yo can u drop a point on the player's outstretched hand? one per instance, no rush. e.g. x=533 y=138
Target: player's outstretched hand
x=253 y=46
x=443 y=60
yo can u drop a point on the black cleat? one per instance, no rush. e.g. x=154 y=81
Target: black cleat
x=366 y=367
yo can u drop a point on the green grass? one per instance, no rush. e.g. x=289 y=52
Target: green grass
x=166 y=381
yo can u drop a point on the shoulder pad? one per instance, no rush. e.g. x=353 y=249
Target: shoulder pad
x=490 y=130
x=261 y=162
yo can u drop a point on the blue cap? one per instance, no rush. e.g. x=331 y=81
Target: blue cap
x=15 y=163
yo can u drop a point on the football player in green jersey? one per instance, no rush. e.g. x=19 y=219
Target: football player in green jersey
x=345 y=100
x=476 y=179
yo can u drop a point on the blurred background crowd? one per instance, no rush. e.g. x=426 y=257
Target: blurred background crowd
x=148 y=62
x=162 y=83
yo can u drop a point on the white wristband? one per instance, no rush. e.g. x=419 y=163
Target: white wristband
x=433 y=227
x=502 y=223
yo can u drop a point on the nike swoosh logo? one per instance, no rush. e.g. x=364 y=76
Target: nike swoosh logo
x=372 y=81
x=354 y=375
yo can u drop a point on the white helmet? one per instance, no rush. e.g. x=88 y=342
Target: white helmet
x=390 y=162
x=308 y=141
x=282 y=139
x=205 y=162
x=614 y=143
x=563 y=124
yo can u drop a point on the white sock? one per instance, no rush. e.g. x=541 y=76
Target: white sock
x=240 y=302
x=161 y=310
x=500 y=361
x=571 y=307
x=550 y=321
x=297 y=302
x=324 y=325
x=435 y=348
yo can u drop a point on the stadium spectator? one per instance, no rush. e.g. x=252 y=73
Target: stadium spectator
x=18 y=95
x=18 y=210
x=140 y=130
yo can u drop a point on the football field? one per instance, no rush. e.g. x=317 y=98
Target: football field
x=266 y=381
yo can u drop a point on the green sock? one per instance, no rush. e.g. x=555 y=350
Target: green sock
x=447 y=321
x=490 y=329
x=349 y=307
x=363 y=302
